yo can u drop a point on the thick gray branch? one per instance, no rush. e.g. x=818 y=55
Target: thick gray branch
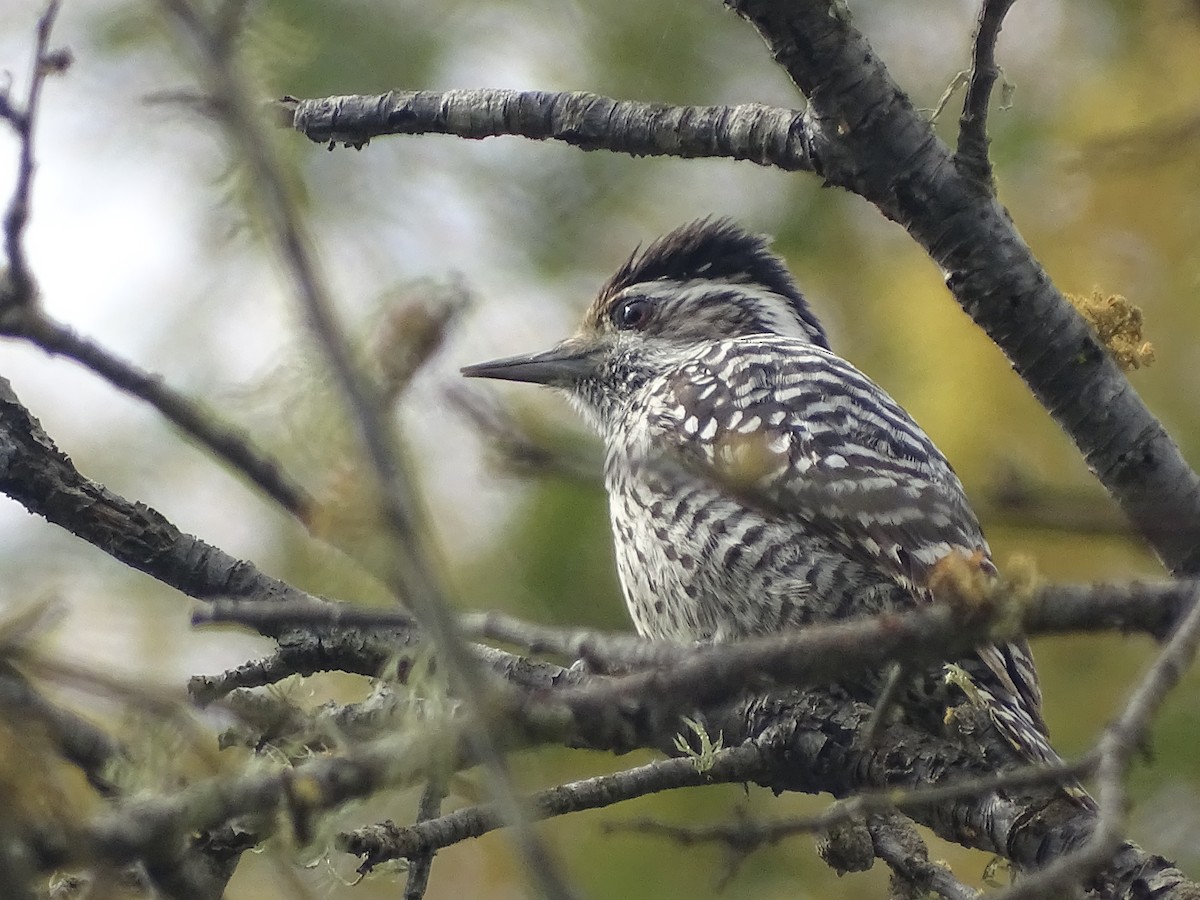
x=39 y=476
x=760 y=134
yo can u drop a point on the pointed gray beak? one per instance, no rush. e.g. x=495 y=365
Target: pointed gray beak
x=561 y=366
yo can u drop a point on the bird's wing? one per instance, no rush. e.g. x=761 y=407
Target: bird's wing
x=803 y=435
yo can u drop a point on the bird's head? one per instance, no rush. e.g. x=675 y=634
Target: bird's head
x=705 y=281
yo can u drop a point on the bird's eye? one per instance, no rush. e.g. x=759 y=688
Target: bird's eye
x=632 y=313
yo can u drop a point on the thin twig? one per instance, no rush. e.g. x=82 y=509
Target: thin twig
x=517 y=449
x=897 y=673
x=24 y=122
x=606 y=652
x=421 y=864
x=230 y=444
x=380 y=843
x=972 y=154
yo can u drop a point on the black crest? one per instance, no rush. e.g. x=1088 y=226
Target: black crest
x=720 y=250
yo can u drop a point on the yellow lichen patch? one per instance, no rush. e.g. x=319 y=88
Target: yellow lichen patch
x=1118 y=324
x=964 y=581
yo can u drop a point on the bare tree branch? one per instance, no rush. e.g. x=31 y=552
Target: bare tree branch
x=972 y=154
x=39 y=476
x=420 y=864
x=269 y=717
x=20 y=289
x=760 y=134
x=897 y=843
x=817 y=732
x=230 y=444
x=387 y=841
x=304 y=653
x=747 y=835
x=155 y=828
x=1150 y=607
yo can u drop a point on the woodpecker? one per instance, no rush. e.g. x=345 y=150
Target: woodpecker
x=757 y=481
